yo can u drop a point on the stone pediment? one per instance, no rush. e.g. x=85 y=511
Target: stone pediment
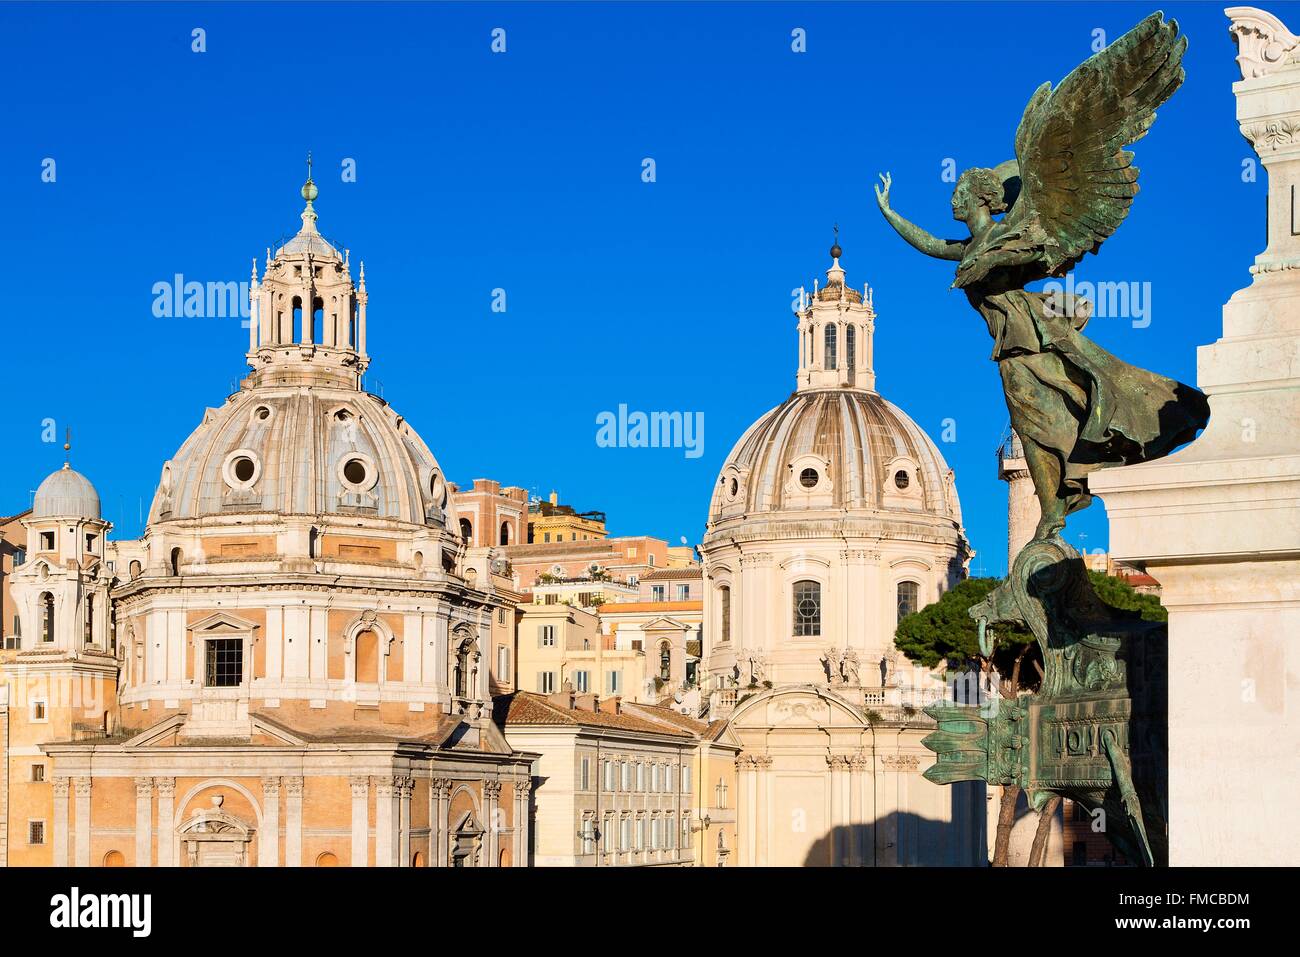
x=223 y=619
x=796 y=706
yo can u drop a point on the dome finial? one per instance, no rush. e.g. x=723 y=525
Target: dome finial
x=836 y=252
x=67 y=449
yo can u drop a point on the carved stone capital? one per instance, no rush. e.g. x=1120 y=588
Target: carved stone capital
x=837 y=762
x=82 y=786
x=166 y=787
x=360 y=785
x=143 y=787
x=271 y=786
x=293 y=787
x=492 y=790
x=900 y=762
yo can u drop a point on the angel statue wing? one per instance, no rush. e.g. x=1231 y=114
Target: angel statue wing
x=1076 y=180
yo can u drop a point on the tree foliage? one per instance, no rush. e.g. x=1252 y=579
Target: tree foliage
x=945 y=631
x=1118 y=593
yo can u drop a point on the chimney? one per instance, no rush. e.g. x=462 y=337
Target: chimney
x=610 y=705
x=587 y=702
x=562 y=699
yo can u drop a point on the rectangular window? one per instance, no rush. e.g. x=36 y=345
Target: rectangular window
x=88 y=634
x=582 y=681
x=588 y=835
x=654 y=833
x=585 y=784
x=686 y=829
x=654 y=778
x=612 y=682
x=626 y=783
x=686 y=779
x=607 y=834
x=39 y=711
x=807 y=609
x=90 y=543
x=640 y=834
x=547 y=633
x=725 y=593
x=35 y=832
x=609 y=776
x=501 y=616
x=225 y=663
x=38 y=773
x=670 y=831
x=546 y=682
x=624 y=834
x=47 y=541
x=683 y=592
x=546 y=537
x=550 y=599
x=656 y=592
x=640 y=776
x=503 y=662
x=668 y=779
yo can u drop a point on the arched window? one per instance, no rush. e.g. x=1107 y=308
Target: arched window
x=47 y=616
x=318 y=321
x=297 y=320
x=665 y=662
x=313 y=543
x=134 y=569
x=460 y=679
x=830 y=346
x=114 y=859
x=466 y=529
x=367 y=651
x=505 y=533
x=850 y=348
x=724 y=599
x=176 y=557
x=908 y=592
x=326 y=859
x=807 y=609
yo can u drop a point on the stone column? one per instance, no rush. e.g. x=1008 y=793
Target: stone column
x=385 y=821
x=404 y=788
x=1217 y=523
x=360 y=820
x=762 y=787
x=143 y=824
x=293 y=822
x=62 y=787
x=839 y=768
x=166 y=830
x=746 y=825
x=523 y=818
x=863 y=822
x=440 y=793
x=268 y=846
x=81 y=852
x=491 y=795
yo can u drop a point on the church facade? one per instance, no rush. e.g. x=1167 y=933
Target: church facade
x=292 y=665
x=833 y=516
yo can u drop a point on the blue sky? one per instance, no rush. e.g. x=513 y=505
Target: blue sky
x=522 y=171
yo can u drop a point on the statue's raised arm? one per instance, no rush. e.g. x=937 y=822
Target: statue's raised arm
x=920 y=239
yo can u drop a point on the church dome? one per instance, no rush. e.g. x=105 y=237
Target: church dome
x=835 y=449
x=66 y=493
x=303 y=451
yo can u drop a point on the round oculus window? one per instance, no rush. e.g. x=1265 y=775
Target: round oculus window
x=243 y=468
x=735 y=487
x=355 y=471
x=902 y=480
x=808 y=478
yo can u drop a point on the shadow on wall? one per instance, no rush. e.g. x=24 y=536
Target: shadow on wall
x=905 y=839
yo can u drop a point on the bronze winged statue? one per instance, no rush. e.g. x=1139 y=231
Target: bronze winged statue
x=1096 y=731
x=1075 y=406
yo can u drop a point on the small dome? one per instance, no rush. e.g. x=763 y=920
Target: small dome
x=66 y=493
x=840 y=449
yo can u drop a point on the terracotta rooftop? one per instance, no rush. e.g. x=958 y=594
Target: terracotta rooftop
x=690 y=571
x=524 y=707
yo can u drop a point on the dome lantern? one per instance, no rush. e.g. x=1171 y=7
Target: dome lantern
x=836 y=329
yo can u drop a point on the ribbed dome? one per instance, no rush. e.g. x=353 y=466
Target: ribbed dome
x=835 y=449
x=66 y=493
x=298 y=450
